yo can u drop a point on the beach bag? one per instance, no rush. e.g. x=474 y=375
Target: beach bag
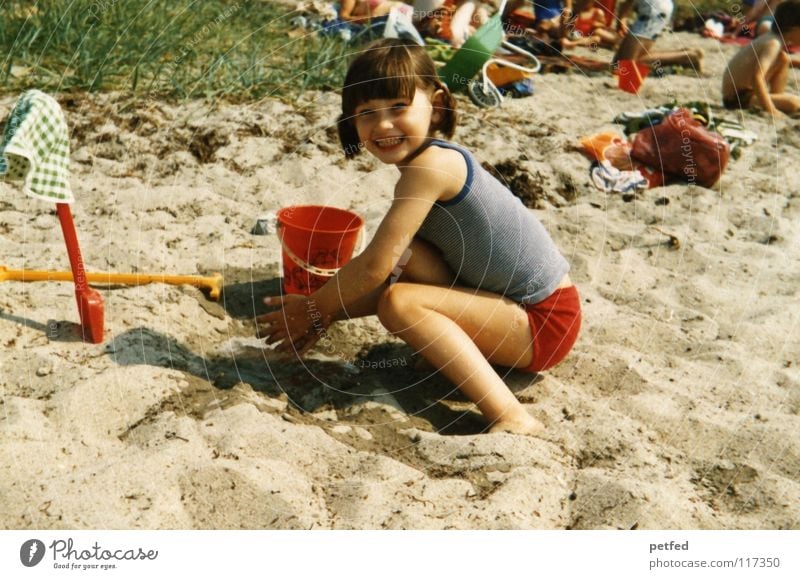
x=615 y=149
x=683 y=148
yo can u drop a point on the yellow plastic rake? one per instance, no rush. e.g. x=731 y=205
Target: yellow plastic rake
x=213 y=283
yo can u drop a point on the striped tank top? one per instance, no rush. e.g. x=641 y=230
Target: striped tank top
x=491 y=240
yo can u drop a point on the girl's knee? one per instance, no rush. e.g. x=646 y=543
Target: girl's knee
x=394 y=306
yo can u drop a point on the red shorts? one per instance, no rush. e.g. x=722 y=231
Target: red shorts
x=555 y=323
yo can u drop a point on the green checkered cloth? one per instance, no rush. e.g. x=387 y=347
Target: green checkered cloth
x=35 y=148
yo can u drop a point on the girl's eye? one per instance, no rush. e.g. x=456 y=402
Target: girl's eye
x=400 y=106
x=363 y=114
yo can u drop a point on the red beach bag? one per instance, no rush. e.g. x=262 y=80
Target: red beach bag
x=683 y=148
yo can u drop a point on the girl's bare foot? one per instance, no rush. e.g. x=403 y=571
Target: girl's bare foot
x=522 y=424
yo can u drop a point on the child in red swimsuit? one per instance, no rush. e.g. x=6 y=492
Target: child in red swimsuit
x=588 y=28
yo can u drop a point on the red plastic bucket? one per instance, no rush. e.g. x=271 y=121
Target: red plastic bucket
x=631 y=75
x=316 y=242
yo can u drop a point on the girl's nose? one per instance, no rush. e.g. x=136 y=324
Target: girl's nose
x=385 y=121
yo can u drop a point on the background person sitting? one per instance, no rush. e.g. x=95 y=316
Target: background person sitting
x=588 y=28
x=364 y=10
x=552 y=16
x=757 y=74
x=450 y=20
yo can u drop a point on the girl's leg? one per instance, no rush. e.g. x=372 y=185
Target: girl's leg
x=462 y=332
x=777 y=77
x=786 y=103
x=421 y=263
x=632 y=48
x=638 y=49
x=607 y=38
x=568 y=43
x=547 y=29
x=778 y=74
x=692 y=58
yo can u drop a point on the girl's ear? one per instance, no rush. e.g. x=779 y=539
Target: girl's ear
x=438 y=102
x=443 y=118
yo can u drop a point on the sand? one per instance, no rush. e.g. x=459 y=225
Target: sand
x=678 y=407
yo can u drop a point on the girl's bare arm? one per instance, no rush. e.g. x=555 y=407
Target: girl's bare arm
x=421 y=185
x=765 y=59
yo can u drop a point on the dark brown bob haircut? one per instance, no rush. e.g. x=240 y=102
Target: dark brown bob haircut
x=787 y=16
x=387 y=69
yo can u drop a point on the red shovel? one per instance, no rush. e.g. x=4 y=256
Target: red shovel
x=90 y=302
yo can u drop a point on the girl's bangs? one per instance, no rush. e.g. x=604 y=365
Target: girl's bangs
x=379 y=78
x=387 y=87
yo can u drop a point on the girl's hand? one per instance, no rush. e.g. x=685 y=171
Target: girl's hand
x=296 y=326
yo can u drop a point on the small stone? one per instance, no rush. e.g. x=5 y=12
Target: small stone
x=326 y=415
x=341 y=429
x=44 y=371
x=496 y=477
x=275 y=403
x=363 y=433
x=265 y=224
x=413 y=434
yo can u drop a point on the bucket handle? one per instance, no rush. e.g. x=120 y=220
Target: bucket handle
x=362 y=236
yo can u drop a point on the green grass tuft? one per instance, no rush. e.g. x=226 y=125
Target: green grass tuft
x=165 y=48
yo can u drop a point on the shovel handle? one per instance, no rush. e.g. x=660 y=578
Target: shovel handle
x=212 y=283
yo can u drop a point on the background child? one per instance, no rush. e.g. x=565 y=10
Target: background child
x=551 y=16
x=757 y=74
x=652 y=18
x=364 y=10
x=588 y=27
x=451 y=20
x=482 y=281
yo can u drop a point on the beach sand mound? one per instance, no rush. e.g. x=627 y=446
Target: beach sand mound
x=678 y=407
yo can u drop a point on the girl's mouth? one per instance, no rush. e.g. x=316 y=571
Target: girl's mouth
x=388 y=142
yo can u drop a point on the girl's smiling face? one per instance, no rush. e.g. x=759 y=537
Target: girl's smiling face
x=394 y=129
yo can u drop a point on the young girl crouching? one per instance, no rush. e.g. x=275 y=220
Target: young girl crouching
x=481 y=280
